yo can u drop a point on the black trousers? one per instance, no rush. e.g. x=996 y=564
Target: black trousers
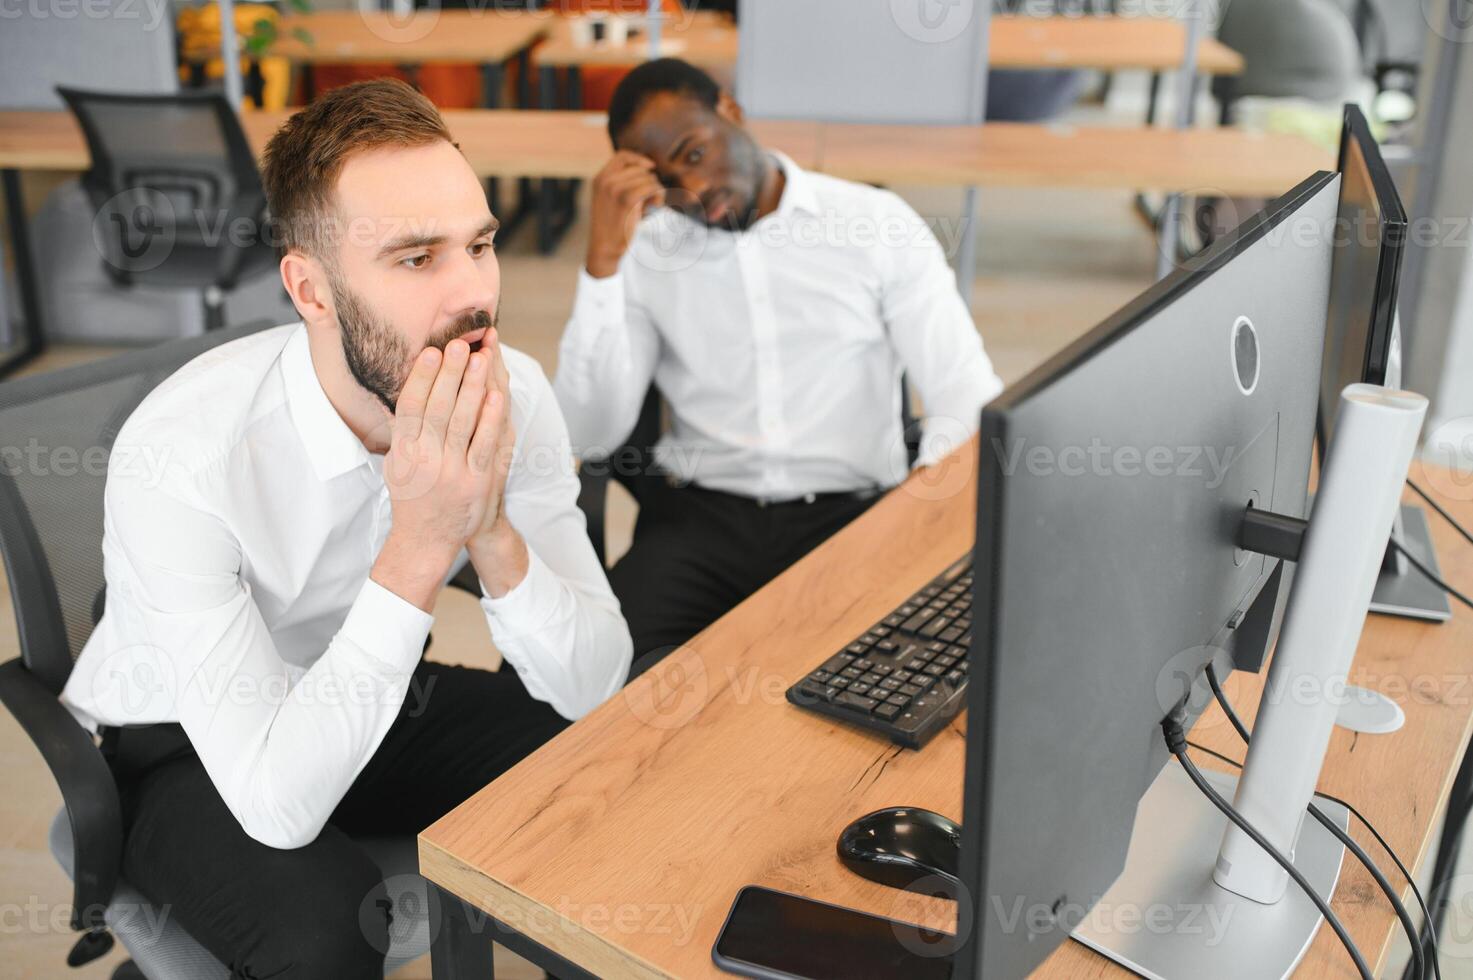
x=317 y=911
x=698 y=553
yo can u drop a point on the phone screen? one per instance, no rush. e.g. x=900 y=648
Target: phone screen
x=774 y=934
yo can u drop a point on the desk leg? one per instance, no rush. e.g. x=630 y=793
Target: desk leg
x=31 y=338
x=460 y=939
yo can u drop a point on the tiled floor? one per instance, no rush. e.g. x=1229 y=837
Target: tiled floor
x=1051 y=264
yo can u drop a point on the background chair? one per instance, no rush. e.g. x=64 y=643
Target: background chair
x=178 y=200
x=51 y=509
x=631 y=465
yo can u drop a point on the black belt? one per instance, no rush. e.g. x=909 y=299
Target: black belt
x=858 y=496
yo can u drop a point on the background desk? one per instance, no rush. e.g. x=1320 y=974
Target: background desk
x=1104 y=43
x=620 y=845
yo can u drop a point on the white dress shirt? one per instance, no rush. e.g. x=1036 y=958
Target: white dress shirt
x=780 y=349
x=242 y=518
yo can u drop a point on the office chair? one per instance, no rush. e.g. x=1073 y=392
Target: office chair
x=631 y=465
x=178 y=201
x=51 y=541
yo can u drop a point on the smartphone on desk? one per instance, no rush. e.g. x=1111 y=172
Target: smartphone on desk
x=776 y=936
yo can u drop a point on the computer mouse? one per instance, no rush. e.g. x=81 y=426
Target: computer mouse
x=899 y=846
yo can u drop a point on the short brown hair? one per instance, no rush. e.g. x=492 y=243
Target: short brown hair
x=303 y=159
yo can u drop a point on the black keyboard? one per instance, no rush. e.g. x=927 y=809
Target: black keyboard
x=906 y=676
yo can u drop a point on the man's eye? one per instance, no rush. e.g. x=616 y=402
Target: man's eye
x=695 y=156
x=415 y=261
x=479 y=249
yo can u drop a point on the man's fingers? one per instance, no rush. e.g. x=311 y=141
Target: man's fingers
x=447 y=383
x=410 y=409
x=500 y=377
x=629 y=159
x=467 y=405
x=488 y=431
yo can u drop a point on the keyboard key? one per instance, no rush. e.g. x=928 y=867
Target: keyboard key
x=935 y=626
x=880 y=632
x=896 y=618
x=810 y=692
x=920 y=619
x=820 y=676
x=851 y=672
x=837 y=663
x=899 y=700
x=935 y=670
x=873 y=678
x=902 y=676
x=884 y=670
x=944 y=661
x=890 y=684
x=887 y=646
x=838 y=682
x=859 y=687
x=909 y=690
x=965 y=623
x=915 y=664
x=958 y=651
x=887 y=711
x=864 y=664
x=856 y=701
x=936 y=646
x=950 y=634
x=955 y=678
x=966 y=639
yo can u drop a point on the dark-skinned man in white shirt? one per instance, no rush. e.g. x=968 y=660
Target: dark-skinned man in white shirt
x=776 y=311
x=258 y=674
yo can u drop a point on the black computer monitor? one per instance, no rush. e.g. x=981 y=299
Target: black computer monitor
x=1370 y=235
x=1113 y=480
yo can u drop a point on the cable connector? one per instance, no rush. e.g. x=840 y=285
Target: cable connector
x=1276 y=535
x=1173 y=726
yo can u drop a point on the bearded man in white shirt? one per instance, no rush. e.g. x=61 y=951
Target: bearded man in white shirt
x=257 y=674
x=776 y=311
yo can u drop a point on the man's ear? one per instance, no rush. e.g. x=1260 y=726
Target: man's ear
x=305 y=281
x=729 y=109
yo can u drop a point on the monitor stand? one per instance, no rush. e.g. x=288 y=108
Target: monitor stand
x=1165 y=918
x=1401 y=590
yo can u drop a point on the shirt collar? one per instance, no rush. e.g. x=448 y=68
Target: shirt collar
x=331 y=445
x=798 y=191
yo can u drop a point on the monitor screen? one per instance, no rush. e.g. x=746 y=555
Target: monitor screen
x=1368 y=237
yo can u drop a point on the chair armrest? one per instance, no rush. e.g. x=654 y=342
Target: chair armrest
x=87 y=789
x=593 y=501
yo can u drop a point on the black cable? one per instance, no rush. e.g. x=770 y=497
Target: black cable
x=1176 y=742
x=1416 y=563
x=1441 y=512
x=1371 y=828
x=1408 y=926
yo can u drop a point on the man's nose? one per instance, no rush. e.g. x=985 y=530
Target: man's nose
x=470 y=286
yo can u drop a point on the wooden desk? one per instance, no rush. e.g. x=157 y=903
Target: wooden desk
x=506 y=143
x=489 y=38
x=1105 y=43
x=620 y=845
x=430 y=35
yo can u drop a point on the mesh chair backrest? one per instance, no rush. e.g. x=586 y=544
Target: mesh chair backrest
x=56 y=431
x=120 y=44
x=176 y=168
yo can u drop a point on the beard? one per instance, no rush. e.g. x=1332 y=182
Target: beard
x=377 y=355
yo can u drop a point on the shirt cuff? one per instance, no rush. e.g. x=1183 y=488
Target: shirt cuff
x=599 y=300
x=528 y=606
x=387 y=627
